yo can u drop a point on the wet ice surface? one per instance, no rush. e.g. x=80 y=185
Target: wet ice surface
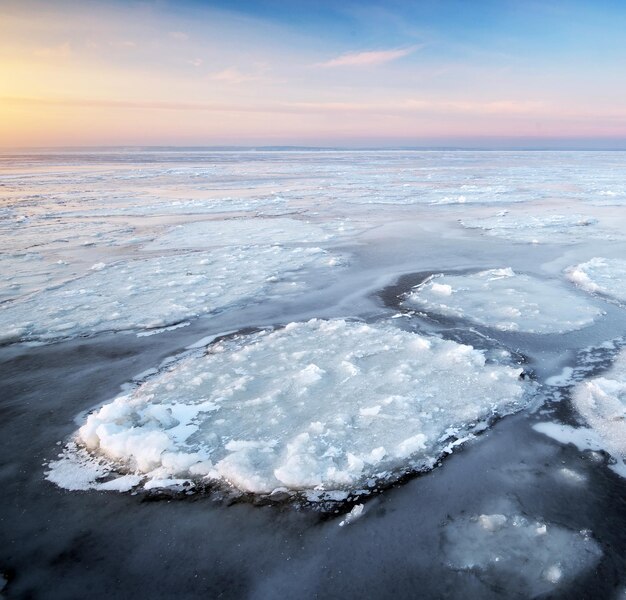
x=505 y=300
x=376 y=217
x=323 y=407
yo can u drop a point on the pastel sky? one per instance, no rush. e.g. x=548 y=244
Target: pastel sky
x=328 y=73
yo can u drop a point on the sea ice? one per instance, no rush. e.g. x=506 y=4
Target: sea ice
x=157 y=292
x=539 y=229
x=317 y=406
x=238 y=232
x=515 y=552
x=601 y=401
x=505 y=300
x=604 y=275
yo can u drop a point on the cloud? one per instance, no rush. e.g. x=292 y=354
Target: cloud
x=179 y=36
x=196 y=62
x=368 y=58
x=123 y=44
x=61 y=51
x=234 y=76
x=401 y=107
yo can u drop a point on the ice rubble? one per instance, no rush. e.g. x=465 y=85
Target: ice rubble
x=233 y=232
x=512 y=550
x=540 y=228
x=320 y=405
x=157 y=292
x=505 y=300
x=604 y=275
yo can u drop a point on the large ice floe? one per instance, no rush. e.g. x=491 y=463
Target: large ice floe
x=606 y=276
x=540 y=228
x=516 y=552
x=157 y=292
x=504 y=300
x=321 y=407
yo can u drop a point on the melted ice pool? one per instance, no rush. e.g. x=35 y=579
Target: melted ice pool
x=321 y=405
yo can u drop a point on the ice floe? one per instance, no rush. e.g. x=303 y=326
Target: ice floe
x=504 y=300
x=238 y=232
x=539 y=229
x=159 y=292
x=603 y=275
x=318 y=406
x=601 y=401
x=514 y=551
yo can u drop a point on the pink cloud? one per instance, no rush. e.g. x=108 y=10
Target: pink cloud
x=368 y=58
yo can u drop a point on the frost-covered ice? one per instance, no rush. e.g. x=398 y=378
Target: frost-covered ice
x=321 y=405
x=603 y=275
x=505 y=300
x=515 y=552
x=540 y=228
x=158 y=292
x=237 y=232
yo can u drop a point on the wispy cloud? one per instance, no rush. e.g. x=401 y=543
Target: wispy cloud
x=179 y=36
x=234 y=76
x=123 y=44
x=61 y=51
x=400 y=107
x=367 y=58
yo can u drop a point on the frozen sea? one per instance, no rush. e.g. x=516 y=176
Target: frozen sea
x=312 y=374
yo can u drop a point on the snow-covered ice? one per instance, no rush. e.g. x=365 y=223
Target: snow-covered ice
x=603 y=275
x=501 y=549
x=158 y=292
x=504 y=300
x=318 y=405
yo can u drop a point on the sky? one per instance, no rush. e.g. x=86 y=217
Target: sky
x=411 y=73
